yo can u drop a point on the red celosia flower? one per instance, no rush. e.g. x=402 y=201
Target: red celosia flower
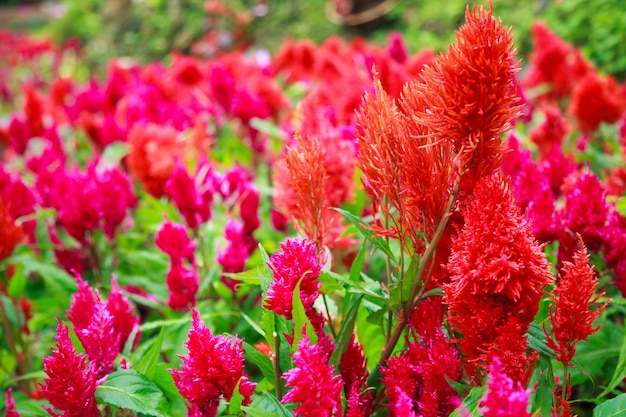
x=211 y=370
x=233 y=259
x=312 y=383
x=192 y=200
x=554 y=62
x=422 y=371
x=182 y=282
x=72 y=380
x=173 y=240
x=469 y=92
x=596 y=100
x=11 y=234
x=153 y=153
x=297 y=262
x=505 y=397
x=498 y=271
x=572 y=317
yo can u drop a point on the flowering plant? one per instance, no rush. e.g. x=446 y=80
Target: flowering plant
x=344 y=230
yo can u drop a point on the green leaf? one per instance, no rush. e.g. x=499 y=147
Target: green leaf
x=252 y=355
x=300 y=320
x=346 y=331
x=17 y=283
x=368 y=234
x=543 y=400
x=253 y=412
x=148 y=362
x=56 y=279
x=133 y=391
x=357 y=264
x=255 y=326
x=537 y=340
x=620 y=370
x=615 y=407
x=470 y=404
x=234 y=407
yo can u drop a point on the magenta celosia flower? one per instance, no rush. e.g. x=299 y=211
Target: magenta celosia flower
x=122 y=311
x=192 y=200
x=298 y=261
x=172 y=239
x=505 y=397
x=585 y=210
x=211 y=370
x=182 y=283
x=102 y=328
x=9 y=407
x=234 y=257
x=72 y=380
x=353 y=370
x=312 y=383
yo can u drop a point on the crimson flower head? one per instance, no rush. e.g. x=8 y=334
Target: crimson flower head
x=312 y=382
x=497 y=274
x=298 y=261
x=72 y=380
x=211 y=370
x=505 y=397
x=572 y=317
x=173 y=240
x=469 y=92
x=182 y=282
x=596 y=100
x=9 y=407
x=193 y=201
x=11 y=234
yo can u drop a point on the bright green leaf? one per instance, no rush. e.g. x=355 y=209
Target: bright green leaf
x=615 y=407
x=234 y=407
x=368 y=234
x=543 y=399
x=148 y=362
x=133 y=391
x=346 y=331
x=252 y=355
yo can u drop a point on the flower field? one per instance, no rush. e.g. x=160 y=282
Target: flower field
x=340 y=229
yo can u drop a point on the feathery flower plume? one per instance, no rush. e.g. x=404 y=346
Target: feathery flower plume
x=312 y=383
x=9 y=408
x=182 y=282
x=72 y=380
x=505 y=397
x=298 y=261
x=193 y=201
x=211 y=370
x=469 y=93
x=353 y=370
x=173 y=240
x=498 y=272
x=572 y=316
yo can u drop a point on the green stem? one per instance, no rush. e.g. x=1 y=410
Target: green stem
x=276 y=365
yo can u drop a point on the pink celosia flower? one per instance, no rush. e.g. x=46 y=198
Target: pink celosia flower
x=298 y=261
x=572 y=318
x=551 y=132
x=585 y=210
x=72 y=380
x=498 y=271
x=182 y=283
x=102 y=328
x=505 y=397
x=234 y=257
x=173 y=240
x=312 y=383
x=192 y=200
x=211 y=370
x=9 y=407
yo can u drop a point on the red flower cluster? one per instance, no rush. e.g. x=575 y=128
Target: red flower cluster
x=574 y=296
x=211 y=370
x=498 y=272
x=596 y=100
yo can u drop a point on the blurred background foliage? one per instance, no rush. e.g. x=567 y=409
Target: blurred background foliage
x=148 y=29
